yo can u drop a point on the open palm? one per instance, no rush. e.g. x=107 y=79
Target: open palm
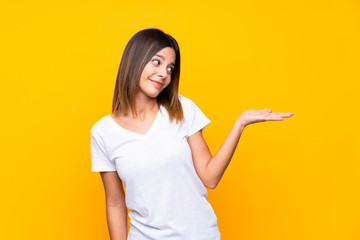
x=254 y=116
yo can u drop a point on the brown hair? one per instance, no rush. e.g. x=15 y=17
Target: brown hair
x=138 y=52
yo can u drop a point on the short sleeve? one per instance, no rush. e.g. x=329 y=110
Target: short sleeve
x=100 y=161
x=195 y=118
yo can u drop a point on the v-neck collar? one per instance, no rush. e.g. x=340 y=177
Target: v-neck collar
x=134 y=134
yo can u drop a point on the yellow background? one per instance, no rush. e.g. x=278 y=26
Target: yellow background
x=294 y=179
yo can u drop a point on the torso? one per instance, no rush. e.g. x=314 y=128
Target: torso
x=166 y=196
x=137 y=125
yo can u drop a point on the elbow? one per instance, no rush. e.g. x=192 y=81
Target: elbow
x=211 y=185
x=209 y=181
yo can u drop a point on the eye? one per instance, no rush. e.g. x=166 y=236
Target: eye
x=156 y=61
x=170 y=69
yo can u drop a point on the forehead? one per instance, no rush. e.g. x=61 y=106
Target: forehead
x=168 y=53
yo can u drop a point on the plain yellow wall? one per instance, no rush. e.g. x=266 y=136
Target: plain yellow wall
x=294 y=179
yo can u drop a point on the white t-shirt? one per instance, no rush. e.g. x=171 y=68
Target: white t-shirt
x=166 y=196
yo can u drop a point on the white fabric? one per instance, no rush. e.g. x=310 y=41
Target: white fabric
x=166 y=196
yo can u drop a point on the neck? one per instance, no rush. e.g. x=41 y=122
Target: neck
x=145 y=106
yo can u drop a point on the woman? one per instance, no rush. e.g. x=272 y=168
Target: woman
x=153 y=145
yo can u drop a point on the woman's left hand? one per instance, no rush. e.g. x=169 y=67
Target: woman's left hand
x=254 y=116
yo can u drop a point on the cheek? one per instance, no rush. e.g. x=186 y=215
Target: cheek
x=168 y=81
x=143 y=74
x=146 y=71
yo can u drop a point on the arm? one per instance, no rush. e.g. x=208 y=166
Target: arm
x=211 y=168
x=116 y=210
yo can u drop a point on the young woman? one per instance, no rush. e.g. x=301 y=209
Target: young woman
x=152 y=148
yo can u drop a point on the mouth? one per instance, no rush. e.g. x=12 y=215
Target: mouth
x=159 y=84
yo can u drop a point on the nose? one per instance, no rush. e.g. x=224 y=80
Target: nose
x=162 y=72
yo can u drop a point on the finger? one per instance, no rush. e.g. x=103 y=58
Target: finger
x=281 y=114
x=288 y=114
x=266 y=110
x=284 y=113
x=277 y=117
x=274 y=119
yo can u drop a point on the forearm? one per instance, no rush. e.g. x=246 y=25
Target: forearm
x=117 y=222
x=219 y=162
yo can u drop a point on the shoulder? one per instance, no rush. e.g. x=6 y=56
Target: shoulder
x=188 y=104
x=190 y=109
x=100 y=126
x=185 y=102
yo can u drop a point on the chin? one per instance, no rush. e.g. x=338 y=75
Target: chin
x=153 y=94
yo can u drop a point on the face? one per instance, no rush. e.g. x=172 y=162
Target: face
x=157 y=73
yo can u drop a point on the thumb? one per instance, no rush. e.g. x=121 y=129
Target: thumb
x=266 y=110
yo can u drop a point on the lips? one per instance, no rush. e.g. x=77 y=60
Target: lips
x=159 y=84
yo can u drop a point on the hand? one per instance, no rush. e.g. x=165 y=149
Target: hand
x=254 y=116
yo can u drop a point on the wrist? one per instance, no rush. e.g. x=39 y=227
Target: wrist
x=240 y=123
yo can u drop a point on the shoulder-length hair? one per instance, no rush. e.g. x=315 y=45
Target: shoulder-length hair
x=138 y=52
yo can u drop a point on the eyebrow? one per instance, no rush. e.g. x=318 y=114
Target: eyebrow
x=162 y=57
